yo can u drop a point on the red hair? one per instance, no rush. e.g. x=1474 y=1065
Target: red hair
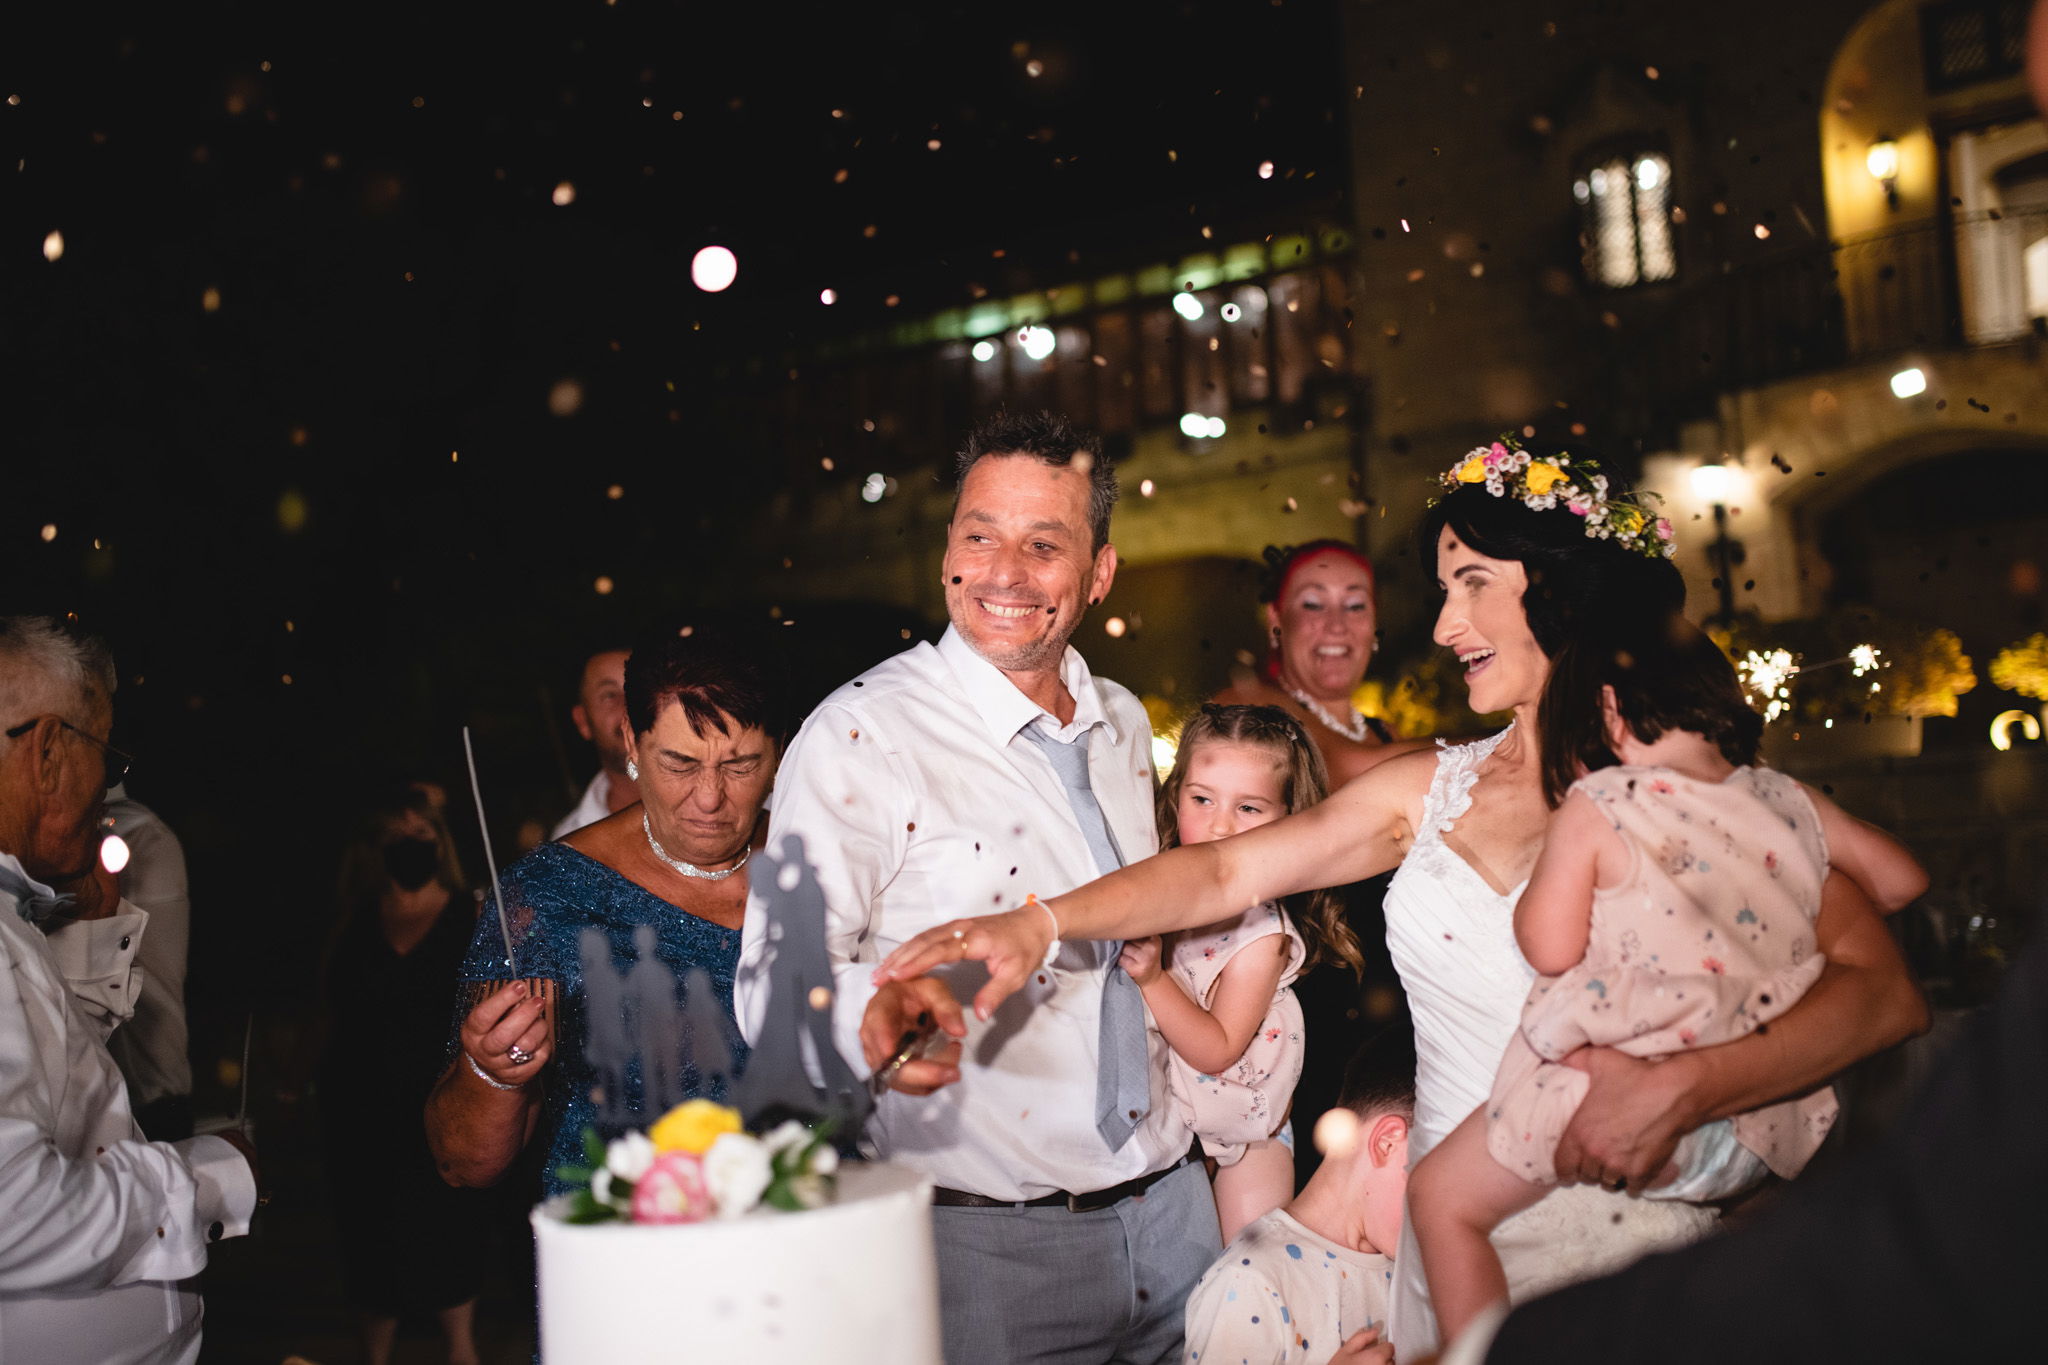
x=1281 y=564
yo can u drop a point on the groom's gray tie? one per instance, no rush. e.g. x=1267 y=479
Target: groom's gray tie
x=1123 y=1078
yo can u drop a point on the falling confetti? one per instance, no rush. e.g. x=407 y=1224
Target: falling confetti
x=49 y=532
x=53 y=246
x=565 y=397
x=564 y=195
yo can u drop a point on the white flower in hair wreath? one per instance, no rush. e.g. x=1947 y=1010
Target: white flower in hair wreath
x=1507 y=470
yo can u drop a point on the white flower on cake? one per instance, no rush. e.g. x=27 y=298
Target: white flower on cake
x=738 y=1169
x=698 y=1162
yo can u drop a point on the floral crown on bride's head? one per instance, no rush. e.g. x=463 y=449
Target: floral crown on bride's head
x=1540 y=484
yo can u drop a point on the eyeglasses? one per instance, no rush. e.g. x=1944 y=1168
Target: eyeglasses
x=116 y=763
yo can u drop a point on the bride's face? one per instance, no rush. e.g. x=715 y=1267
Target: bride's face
x=1483 y=624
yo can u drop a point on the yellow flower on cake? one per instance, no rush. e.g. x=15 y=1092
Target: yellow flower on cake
x=1473 y=470
x=1541 y=476
x=693 y=1126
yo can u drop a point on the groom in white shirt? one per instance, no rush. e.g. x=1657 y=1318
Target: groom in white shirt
x=101 y=1231
x=957 y=779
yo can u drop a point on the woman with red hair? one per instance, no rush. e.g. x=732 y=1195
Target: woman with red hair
x=1322 y=625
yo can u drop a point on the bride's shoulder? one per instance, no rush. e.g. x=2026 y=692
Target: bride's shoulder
x=1403 y=776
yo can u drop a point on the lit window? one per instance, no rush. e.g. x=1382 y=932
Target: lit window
x=1625 y=213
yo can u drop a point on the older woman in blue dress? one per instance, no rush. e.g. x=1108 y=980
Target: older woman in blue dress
x=665 y=882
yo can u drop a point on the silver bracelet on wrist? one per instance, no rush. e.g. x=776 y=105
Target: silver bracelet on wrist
x=1052 y=950
x=486 y=1077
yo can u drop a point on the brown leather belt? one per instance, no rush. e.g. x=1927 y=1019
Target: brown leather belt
x=1061 y=1199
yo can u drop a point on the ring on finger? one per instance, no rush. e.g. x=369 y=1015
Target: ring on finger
x=518 y=1055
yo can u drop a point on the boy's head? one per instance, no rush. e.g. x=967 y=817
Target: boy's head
x=1368 y=1130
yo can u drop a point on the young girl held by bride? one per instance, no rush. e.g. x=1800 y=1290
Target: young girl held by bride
x=1221 y=995
x=1672 y=908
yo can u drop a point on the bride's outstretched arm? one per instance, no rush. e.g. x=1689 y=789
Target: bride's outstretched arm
x=1635 y=1112
x=1360 y=831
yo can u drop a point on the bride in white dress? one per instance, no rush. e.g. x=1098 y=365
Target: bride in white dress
x=1527 y=545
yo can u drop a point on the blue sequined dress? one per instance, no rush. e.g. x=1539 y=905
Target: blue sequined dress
x=555 y=893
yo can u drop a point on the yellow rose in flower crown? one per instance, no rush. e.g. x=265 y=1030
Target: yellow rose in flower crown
x=1625 y=520
x=693 y=1126
x=1472 y=471
x=1541 y=476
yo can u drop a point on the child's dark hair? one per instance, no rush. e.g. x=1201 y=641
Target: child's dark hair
x=1380 y=1077
x=1317 y=915
x=1666 y=675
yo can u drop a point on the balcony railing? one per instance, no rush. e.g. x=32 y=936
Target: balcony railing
x=1976 y=279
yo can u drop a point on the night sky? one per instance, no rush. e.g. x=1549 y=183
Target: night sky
x=284 y=405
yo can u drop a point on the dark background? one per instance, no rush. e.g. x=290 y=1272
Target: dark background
x=333 y=519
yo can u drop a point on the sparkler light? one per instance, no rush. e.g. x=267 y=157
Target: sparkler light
x=1768 y=680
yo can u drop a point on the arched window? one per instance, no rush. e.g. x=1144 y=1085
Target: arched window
x=1625 y=212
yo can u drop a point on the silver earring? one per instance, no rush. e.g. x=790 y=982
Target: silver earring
x=632 y=771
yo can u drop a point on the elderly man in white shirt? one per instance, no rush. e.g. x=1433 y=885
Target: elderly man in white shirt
x=958 y=778
x=101 y=1231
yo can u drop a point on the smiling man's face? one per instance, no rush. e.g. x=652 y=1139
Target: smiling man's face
x=1020 y=564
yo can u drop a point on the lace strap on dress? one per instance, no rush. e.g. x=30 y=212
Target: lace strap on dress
x=1450 y=790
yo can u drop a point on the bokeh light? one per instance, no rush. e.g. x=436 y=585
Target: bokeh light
x=713 y=269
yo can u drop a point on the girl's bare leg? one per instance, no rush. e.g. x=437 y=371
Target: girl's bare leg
x=1458 y=1195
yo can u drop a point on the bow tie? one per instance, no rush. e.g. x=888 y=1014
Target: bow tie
x=35 y=902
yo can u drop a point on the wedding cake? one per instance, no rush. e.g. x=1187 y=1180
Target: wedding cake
x=852 y=1282
x=732 y=1232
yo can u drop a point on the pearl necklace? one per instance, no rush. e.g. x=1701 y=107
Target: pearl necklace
x=690 y=869
x=1356 y=731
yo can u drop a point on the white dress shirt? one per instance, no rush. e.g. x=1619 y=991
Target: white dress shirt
x=98 y=1227
x=151 y=1048
x=918 y=802
x=595 y=806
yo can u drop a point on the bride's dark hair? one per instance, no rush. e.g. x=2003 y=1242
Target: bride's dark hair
x=1574 y=578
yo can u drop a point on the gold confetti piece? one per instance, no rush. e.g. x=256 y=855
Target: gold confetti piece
x=603 y=585
x=53 y=246
x=564 y=195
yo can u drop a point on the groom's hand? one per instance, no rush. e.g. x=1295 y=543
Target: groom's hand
x=899 y=1011
x=1627 y=1127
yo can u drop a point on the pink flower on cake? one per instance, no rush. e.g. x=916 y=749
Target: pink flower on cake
x=672 y=1191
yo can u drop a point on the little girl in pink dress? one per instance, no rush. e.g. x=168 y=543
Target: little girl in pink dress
x=1672 y=908
x=1223 y=1004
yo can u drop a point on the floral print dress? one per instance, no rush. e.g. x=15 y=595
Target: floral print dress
x=1249 y=1100
x=1709 y=938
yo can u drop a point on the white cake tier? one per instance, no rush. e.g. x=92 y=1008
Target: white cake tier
x=853 y=1283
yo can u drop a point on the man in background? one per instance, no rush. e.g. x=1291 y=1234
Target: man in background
x=600 y=717
x=152 y=1049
